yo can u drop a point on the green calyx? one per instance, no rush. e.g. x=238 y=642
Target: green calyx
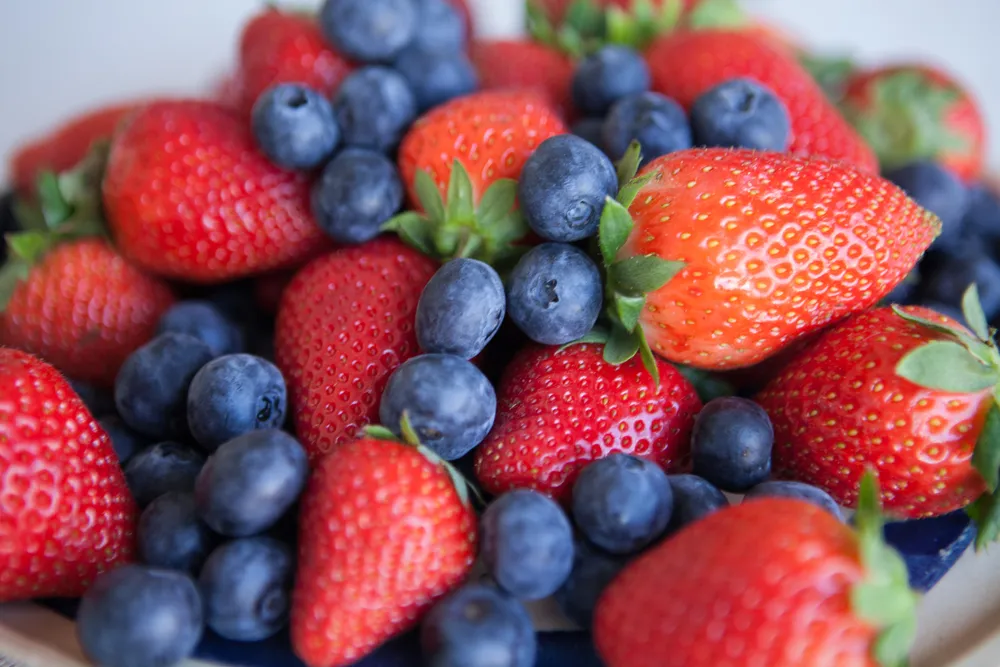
x=458 y=227
x=830 y=72
x=884 y=597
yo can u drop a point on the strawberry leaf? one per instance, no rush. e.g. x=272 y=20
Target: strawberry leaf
x=429 y=196
x=986 y=456
x=648 y=360
x=614 y=229
x=376 y=432
x=974 y=315
x=414 y=229
x=643 y=274
x=628 y=192
x=708 y=385
x=985 y=514
x=460 y=206
x=980 y=350
x=621 y=346
x=596 y=335
x=628 y=309
x=947 y=366
x=13 y=272
x=407 y=431
x=628 y=166
x=497 y=202
x=55 y=208
x=29 y=246
x=715 y=14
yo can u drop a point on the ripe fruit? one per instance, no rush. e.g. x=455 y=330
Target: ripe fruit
x=66 y=513
x=374 y=107
x=171 y=535
x=658 y=123
x=357 y=193
x=606 y=76
x=204 y=321
x=731 y=444
x=435 y=76
x=509 y=65
x=461 y=308
x=294 y=126
x=369 y=30
x=346 y=602
x=806 y=492
x=939 y=191
x=694 y=498
x=740 y=113
x=161 y=469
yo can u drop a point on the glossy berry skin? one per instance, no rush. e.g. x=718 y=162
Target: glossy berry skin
x=233 y=395
x=554 y=293
x=694 y=498
x=740 y=113
x=369 y=30
x=919 y=440
x=622 y=503
x=65 y=517
x=940 y=192
x=686 y=64
x=247 y=588
x=343 y=606
x=345 y=323
x=294 y=126
x=593 y=571
x=527 y=544
x=250 y=482
x=436 y=77
x=946 y=280
x=731 y=444
x=606 y=76
x=982 y=217
x=170 y=535
x=664 y=608
x=205 y=322
x=124 y=440
x=186 y=231
x=358 y=191
x=442 y=25
x=84 y=309
x=374 y=107
x=478 y=625
x=931 y=547
x=461 y=308
x=778 y=262
x=542 y=439
x=516 y=65
x=563 y=188
x=162 y=468
x=785 y=489
x=140 y=617
x=658 y=123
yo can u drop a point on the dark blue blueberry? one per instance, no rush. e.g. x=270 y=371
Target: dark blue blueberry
x=947 y=309
x=527 y=544
x=205 y=322
x=593 y=570
x=167 y=466
x=435 y=76
x=478 y=626
x=657 y=122
x=606 y=76
x=563 y=187
x=152 y=385
x=555 y=294
x=369 y=30
x=460 y=309
x=449 y=401
x=356 y=194
x=906 y=290
x=294 y=126
x=246 y=585
x=125 y=441
x=982 y=218
x=440 y=27
x=741 y=113
x=939 y=191
x=694 y=498
x=374 y=107
x=232 y=395
x=622 y=503
x=170 y=534
x=250 y=482
x=797 y=490
x=98 y=401
x=135 y=616
x=952 y=274
x=731 y=444
x=931 y=547
x=590 y=129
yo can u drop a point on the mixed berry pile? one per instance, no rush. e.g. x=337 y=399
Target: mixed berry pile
x=404 y=329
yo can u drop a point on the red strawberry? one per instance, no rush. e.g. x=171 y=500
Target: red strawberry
x=557 y=410
x=344 y=324
x=914 y=112
x=383 y=534
x=65 y=512
x=775 y=582
x=284 y=47
x=524 y=65
x=188 y=196
x=684 y=65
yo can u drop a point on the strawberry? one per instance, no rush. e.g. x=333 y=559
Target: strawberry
x=384 y=532
x=188 y=196
x=65 y=512
x=558 y=409
x=524 y=65
x=914 y=112
x=776 y=582
x=684 y=65
x=345 y=322
x=907 y=391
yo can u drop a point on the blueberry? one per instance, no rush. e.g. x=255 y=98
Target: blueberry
x=563 y=187
x=741 y=113
x=204 y=321
x=170 y=534
x=246 y=585
x=460 y=309
x=135 y=616
x=435 y=76
x=478 y=626
x=527 y=544
x=657 y=122
x=939 y=191
x=952 y=274
x=440 y=27
x=593 y=570
x=622 y=503
x=930 y=547
x=606 y=76
x=294 y=126
x=167 y=466
x=554 y=294
x=125 y=441
x=99 y=402
x=694 y=498
x=590 y=129
x=798 y=490
x=982 y=217
x=374 y=107
x=250 y=482
x=731 y=444
x=906 y=290
x=369 y=30
x=449 y=401
x=232 y=395
x=356 y=194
